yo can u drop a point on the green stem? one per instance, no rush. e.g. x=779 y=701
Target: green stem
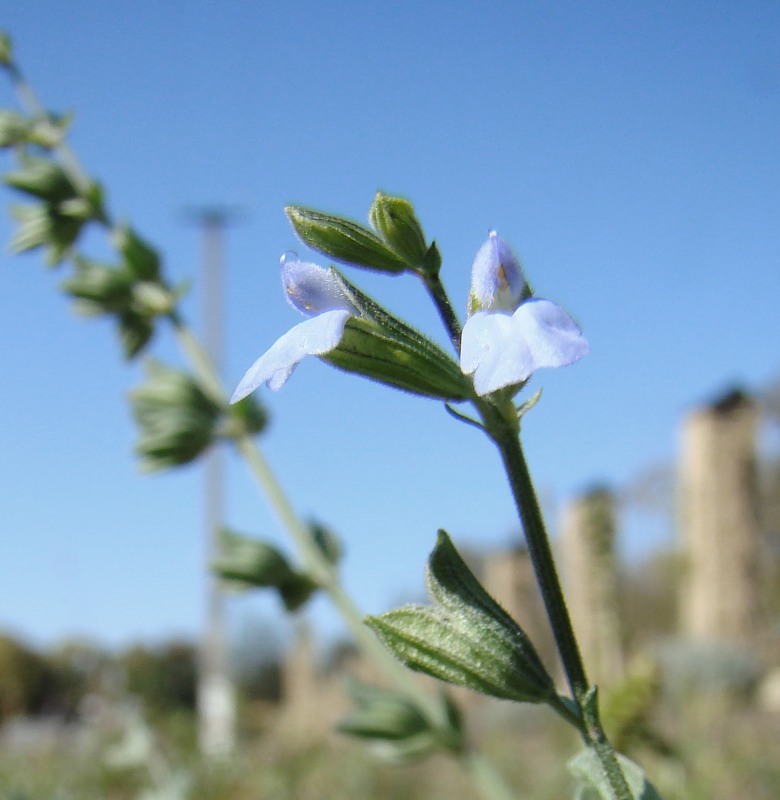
x=490 y=784
x=443 y=305
x=506 y=438
x=35 y=108
x=541 y=556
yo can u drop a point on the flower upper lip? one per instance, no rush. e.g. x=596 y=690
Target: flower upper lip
x=317 y=293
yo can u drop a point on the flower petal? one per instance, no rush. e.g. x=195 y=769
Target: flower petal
x=312 y=289
x=492 y=352
x=312 y=337
x=497 y=281
x=501 y=350
x=553 y=337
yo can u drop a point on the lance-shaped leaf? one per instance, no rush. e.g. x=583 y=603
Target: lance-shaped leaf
x=397 y=224
x=396 y=726
x=344 y=240
x=466 y=638
x=247 y=562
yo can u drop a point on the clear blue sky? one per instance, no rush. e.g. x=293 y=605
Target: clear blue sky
x=628 y=151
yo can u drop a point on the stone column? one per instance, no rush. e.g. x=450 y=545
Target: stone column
x=719 y=521
x=589 y=565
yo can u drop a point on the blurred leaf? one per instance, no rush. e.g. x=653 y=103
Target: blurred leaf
x=587 y=767
x=390 y=718
x=248 y=562
x=135 y=332
x=328 y=543
x=6 y=49
x=14 y=128
x=141 y=258
x=176 y=418
x=49 y=131
x=106 y=288
x=251 y=415
x=42 y=226
x=42 y=178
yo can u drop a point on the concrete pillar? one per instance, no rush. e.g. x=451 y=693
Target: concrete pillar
x=589 y=567
x=719 y=521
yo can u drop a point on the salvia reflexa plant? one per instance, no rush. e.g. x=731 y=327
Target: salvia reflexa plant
x=464 y=637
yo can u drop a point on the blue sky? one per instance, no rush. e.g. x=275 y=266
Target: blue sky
x=628 y=152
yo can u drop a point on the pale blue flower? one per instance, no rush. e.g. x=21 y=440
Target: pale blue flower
x=317 y=293
x=508 y=337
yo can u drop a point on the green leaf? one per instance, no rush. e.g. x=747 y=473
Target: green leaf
x=396 y=222
x=251 y=415
x=177 y=420
x=14 y=128
x=141 y=258
x=326 y=542
x=395 y=723
x=42 y=178
x=587 y=767
x=106 y=289
x=251 y=563
x=135 y=333
x=42 y=226
x=344 y=240
x=6 y=49
x=48 y=131
x=466 y=638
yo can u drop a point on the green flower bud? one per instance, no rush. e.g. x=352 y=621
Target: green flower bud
x=396 y=222
x=344 y=240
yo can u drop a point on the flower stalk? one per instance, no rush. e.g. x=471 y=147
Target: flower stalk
x=501 y=424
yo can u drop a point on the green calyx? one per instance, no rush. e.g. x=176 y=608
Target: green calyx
x=344 y=240
x=380 y=346
x=395 y=221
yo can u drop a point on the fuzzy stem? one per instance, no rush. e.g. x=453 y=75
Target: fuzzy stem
x=508 y=443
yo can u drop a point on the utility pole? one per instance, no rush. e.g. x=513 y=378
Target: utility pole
x=216 y=704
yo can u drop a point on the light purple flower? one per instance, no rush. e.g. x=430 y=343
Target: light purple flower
x=317 y=293
x=506 y=338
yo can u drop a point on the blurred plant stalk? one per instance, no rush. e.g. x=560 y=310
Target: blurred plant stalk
x=85 y=199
